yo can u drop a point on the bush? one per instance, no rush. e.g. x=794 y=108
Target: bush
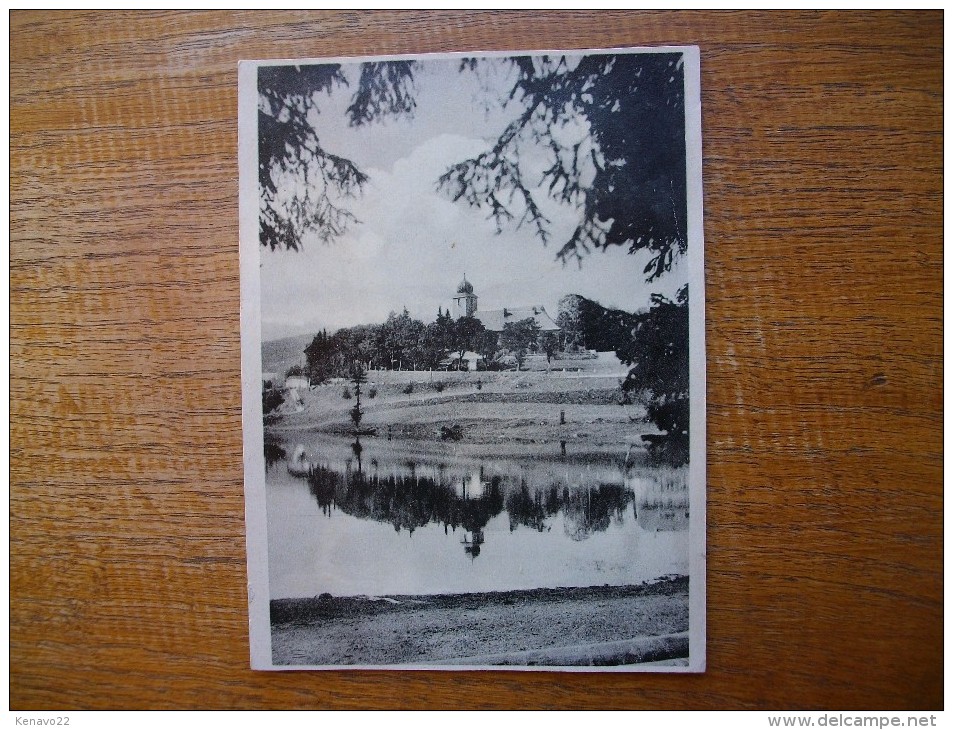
x=346 y=393
x=372 y=393
x=451 y=433
x=670 y=415
x=439 y=386
x=271 y=399
x=408 y=389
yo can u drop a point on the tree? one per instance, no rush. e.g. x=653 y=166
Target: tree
x=611 y=126
x=464 y=335
x=593 y=326
x=520 y=337
x=321 y=357
x=569 y=321
x=358 y=378
x=400 y=339
x=366 y=343
x=549 y=343
x=624 y=166
x=436 y=340
x=289 y=148
x=487 y=343
x=271 y=398
x=658 y=354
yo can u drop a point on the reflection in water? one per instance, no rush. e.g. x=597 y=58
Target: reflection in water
x=593 y=510
x=409 y=494
x=662 y=500
x=273 y=454
x=404 y=501
x=384 y=518
x=472 y=546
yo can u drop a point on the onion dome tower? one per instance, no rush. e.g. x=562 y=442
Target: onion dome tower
x=465 y=301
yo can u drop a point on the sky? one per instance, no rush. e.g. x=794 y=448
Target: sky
x=413 y=244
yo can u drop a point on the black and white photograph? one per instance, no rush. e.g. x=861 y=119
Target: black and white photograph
x=473 y=361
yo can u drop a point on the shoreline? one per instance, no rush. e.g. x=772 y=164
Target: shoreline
x=485 y=409
x=590 y=626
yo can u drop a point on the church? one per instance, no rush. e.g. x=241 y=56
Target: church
x=465 y=305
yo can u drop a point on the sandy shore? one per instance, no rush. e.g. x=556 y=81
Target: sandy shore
x=603 y=625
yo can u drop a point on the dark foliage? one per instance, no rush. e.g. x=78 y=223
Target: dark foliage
x=358 y=378
x=549 y=344
x=464 y=335
x=321 y=355
x=271 y=398
x=436 y=340
x=288 y=146
x=628 y=174
x=520 y=338
x=589 y=325
x=385 y=89
x=658 y=354
x=487 y=344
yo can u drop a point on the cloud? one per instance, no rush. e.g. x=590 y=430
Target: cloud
x=413 y=246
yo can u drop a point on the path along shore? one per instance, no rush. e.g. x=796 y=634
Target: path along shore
x=602 y=626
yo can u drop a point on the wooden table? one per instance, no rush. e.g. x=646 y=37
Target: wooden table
x=823 y=201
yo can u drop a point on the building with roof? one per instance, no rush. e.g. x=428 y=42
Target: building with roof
x=464 y=301
x=465 y=305
x=495 y=319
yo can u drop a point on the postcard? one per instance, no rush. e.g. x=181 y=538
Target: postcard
x=473 y=361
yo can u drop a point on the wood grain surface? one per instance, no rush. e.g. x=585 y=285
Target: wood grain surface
x=823 y=224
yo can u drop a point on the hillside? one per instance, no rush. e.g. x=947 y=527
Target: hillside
x=279 y=355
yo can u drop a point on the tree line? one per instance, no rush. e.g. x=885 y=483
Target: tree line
x=405 y=343
x=627 y=178
x=654 y=343
x=411 y=502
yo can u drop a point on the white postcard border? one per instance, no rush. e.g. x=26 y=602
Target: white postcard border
x=252 y=426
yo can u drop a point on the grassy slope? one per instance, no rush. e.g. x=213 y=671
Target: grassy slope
x=515 y=408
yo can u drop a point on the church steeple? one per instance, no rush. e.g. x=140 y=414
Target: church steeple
x=465 y=301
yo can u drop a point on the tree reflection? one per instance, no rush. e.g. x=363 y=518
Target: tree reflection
x=409 y=497
x=592 y=510
x=406 y=502
x=531 y=509
x=273 y=454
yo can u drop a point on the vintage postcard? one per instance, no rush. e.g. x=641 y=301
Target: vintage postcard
x=473 y=361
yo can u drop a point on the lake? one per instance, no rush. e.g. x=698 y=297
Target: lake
x=380 y=518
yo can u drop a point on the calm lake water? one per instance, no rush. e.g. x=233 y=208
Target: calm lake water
x=376 y=520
